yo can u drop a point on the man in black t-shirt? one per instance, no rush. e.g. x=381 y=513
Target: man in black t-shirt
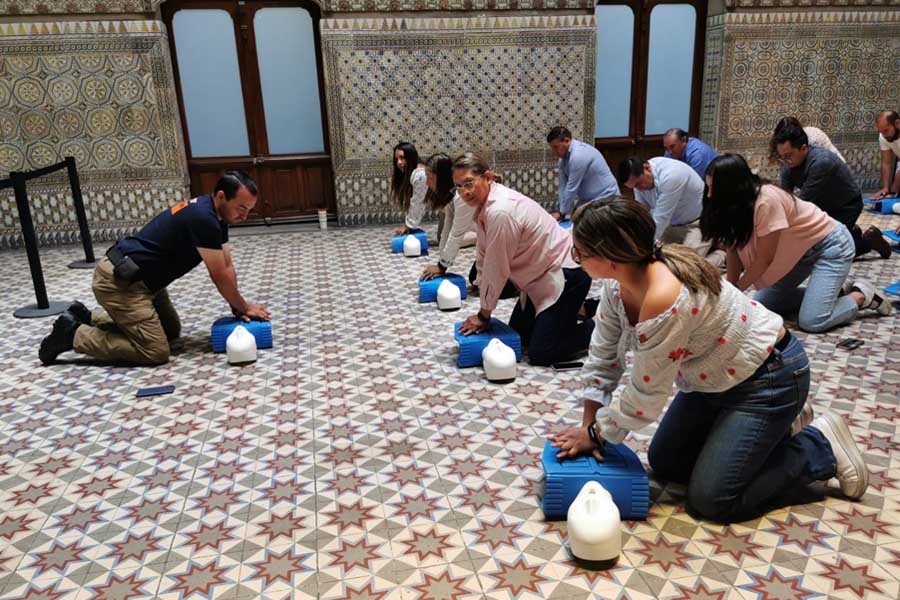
x=817 y=175
x=130 y=282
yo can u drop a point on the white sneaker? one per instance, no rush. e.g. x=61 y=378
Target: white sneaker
x=851 y=473
x=803 y=419
x=872 y=299
x=847 y=287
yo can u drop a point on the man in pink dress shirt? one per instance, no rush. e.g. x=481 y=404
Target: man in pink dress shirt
x=518 y=240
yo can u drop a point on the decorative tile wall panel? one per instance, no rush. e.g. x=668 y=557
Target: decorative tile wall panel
x=112 y=213
x=47 y=7
x=834 y=70
x=712 y=70
x=382 y=6
x=72 y=7
x=494 y=85
x=101 y=91
x=770 y=4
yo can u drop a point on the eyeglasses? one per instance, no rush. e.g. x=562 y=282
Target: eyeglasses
x=790 y=155
x=466 y=185
x=577 y=256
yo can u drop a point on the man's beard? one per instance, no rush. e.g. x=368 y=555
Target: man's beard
x=894 y=137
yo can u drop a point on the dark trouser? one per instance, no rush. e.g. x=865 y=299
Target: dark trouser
x=733 y=449
x=555 y=334
x=861 y=244
x=509 y=290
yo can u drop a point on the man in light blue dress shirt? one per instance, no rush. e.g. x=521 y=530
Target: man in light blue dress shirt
x=688 y=150
x=674 y=194
x=584 y=175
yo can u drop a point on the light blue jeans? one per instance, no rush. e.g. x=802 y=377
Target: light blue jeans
x=819 y=305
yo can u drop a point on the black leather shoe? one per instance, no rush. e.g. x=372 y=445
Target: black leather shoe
x=873 y=234
x=60 y=339
x=80 y=312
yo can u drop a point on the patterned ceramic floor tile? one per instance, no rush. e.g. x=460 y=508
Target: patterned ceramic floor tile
x=362 y=588
x=354 y=460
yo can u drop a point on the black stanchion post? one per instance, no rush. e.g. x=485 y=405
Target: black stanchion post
x=43 y=308
x=89 y=261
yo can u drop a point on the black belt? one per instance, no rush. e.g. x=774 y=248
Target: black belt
x=782 y=344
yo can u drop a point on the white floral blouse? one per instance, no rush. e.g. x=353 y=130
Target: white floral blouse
x=701 y=343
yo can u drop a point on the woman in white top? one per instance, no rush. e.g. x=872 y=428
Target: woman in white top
x=457 y=226
x=742 y=378
x=408 y=186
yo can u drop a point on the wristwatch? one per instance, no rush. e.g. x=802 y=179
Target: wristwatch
x=482 y=318
x=592 y=433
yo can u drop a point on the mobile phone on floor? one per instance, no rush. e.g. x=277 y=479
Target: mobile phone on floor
x=155 y=391
x=567 y=366
x=849 y=344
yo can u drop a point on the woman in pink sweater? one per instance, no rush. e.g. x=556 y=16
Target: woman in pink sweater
x=775 y=241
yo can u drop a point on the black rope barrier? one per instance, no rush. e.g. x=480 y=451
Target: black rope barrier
x=17 y=180
x=89 y=261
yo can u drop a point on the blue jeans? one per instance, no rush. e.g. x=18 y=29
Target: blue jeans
x=733 y=449
x=819 y=305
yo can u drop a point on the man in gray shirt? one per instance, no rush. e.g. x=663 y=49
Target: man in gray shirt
x=818 y=176
x=583 y=173
x=673 y=192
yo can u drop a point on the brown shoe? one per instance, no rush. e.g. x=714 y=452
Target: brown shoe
x=873 y=234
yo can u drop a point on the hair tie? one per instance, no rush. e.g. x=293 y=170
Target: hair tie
x=657 y=250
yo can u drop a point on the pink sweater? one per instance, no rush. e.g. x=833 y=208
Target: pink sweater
x=802 y=225
x=519 y=240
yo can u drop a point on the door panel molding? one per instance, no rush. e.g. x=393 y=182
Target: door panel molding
x=292 y=187
x=638 y=142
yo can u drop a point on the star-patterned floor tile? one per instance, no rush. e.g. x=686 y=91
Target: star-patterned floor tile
x=371 y=587
x=349 y=463
x=440 y=582
x=350 y=556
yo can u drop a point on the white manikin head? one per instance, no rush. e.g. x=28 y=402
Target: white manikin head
x=499 y=361
x=448 y=296
x=240 y=346
x=594 y=525
x=412 y=246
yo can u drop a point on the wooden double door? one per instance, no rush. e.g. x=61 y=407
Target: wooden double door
x=250 y=90
x=649 y=74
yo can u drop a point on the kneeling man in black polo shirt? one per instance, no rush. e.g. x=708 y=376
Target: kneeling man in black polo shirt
x=130 y=282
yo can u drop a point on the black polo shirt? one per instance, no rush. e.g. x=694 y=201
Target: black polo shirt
x=166 y=247
x=826 y=181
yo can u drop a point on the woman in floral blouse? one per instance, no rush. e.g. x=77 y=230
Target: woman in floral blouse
x=742 y=378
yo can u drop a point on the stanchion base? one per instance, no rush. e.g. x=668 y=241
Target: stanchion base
x=32 y=311
x=83 y=264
